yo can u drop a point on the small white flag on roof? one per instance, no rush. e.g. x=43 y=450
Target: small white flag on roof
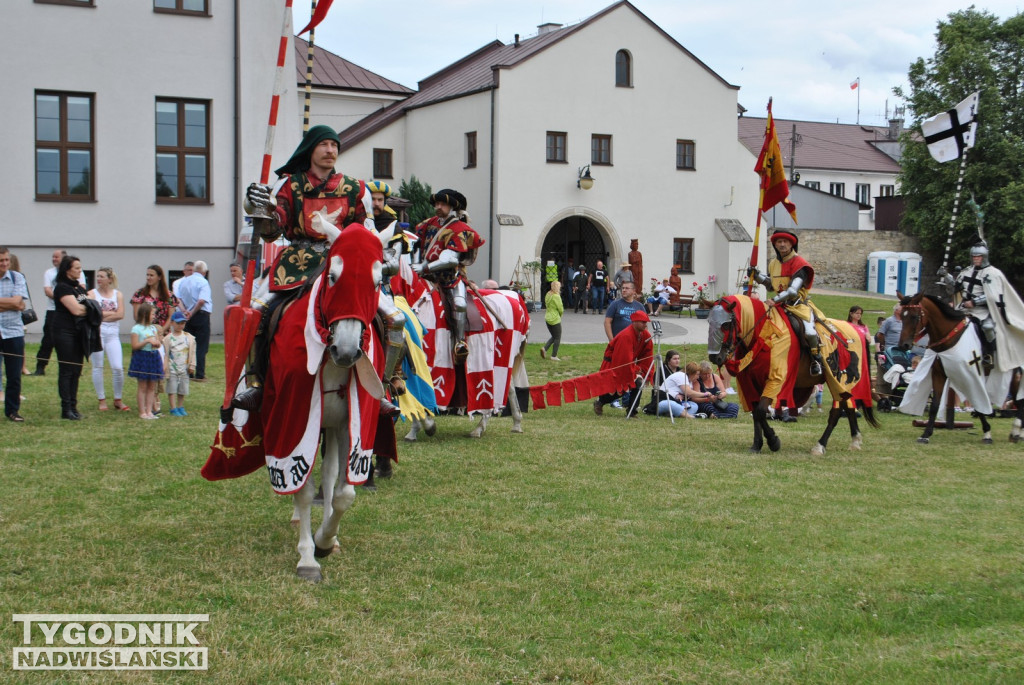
x=950 y=133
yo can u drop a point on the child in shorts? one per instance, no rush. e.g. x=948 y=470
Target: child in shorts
x=179 y=362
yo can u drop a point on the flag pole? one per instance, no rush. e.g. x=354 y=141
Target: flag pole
x=956 y=207
x=268 y=146
x=760 y=203
x=309 y=73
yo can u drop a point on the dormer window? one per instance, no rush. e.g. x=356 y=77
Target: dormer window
x=623 y=69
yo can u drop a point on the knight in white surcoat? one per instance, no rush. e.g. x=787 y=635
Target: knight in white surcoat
x=985 y=294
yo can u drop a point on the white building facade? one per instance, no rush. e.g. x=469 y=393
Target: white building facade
x=132 y=135
x=511 y=126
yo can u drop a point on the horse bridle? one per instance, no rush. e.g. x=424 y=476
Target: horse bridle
x=922 y=317
x=924 y=322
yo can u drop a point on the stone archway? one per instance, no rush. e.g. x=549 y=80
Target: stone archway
x=582 y=234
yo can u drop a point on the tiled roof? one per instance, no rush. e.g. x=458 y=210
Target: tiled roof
x=842 y=147
x=332 y=71
x=477 y=72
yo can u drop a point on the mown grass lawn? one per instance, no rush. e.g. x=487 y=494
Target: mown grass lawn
x=590 y=550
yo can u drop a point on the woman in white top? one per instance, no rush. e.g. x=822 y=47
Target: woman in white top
x=677 y=390
x=112 y=303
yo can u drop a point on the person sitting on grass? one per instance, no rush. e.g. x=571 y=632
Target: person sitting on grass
x=711 y=384
x=675 y=392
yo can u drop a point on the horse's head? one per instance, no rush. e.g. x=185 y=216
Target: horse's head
x=721 y=331
x=914 y=319
x=349 y=294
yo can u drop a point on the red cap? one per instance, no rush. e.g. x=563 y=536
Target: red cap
x=639 y=315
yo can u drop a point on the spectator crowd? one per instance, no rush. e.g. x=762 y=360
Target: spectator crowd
x=169 y=340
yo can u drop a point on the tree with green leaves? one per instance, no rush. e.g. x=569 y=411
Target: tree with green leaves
x=419 y=195
x=974 y=52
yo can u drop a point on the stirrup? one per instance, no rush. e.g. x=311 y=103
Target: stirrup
x=460 y=352
x=250 y=399
x=388 y=409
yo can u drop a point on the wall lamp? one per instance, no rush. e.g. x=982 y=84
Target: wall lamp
x=584 y=180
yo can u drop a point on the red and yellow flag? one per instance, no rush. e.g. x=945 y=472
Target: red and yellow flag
x=774 y=187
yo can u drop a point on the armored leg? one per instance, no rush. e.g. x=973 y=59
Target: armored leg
x=814 y=345
x=988 y=341
x=394 y=324
x=460 y=351
x=251 y=398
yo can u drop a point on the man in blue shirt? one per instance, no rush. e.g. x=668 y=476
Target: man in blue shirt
x=196 y=297
x=616 y=319
x=13 y=295
x=888 y=334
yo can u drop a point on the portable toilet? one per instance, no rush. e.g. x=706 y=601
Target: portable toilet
x=909 y=273
x=883 y=272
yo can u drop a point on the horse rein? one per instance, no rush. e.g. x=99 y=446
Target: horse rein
x=953 y=333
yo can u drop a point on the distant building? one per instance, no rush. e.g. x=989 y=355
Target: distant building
x=342 y=92
x=514 y=126
x=854 y=162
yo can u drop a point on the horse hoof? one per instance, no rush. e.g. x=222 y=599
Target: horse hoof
x=310 y=573
x=517 y=429
x=430 y=429
x=922 y=441
x=774 y=444
x=986 y=441
x=818 y=450
x=322 y=552
x=755 y=450
x=408 y=439
x=1015 y=438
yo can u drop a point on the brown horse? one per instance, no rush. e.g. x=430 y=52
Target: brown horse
x=743 y=333
x=954 y=353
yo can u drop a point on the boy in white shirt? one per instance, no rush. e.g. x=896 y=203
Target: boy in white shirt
x=179 y=362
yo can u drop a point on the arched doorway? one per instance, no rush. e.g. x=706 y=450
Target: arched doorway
x=576 y=238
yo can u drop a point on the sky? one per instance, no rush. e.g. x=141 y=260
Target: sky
x=804 y=53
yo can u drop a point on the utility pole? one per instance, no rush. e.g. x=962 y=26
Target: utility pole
x=792 y=156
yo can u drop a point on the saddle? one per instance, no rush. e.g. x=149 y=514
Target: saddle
x=839 y=361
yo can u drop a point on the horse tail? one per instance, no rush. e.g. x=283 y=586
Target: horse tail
x=869 y=414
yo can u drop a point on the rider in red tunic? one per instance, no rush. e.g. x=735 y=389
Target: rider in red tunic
x=308 y=184
x=791 y=276
x=449 y=246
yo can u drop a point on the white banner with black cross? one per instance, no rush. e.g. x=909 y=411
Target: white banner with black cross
x=950 y=133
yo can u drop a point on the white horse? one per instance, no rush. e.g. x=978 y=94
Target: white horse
x=340 y=379
x=518 y=379
x=505 y=313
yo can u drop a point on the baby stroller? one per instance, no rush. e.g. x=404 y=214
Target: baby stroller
x=893 y=367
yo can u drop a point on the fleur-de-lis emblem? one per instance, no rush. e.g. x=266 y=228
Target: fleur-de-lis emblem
x=282 y=276
x=300 y=259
